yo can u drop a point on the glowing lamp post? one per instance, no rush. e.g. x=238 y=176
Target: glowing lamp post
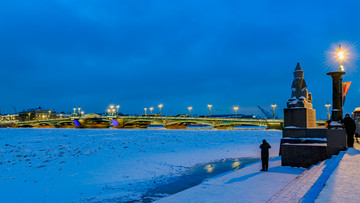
x=108 y=110
x=340 y=56
x=337 y=97
x=160 y=106
x=49 y=114
x=151 y=109
x=117 y=109
x=145 y=110
x=190 y=108
x=82 y=113
x=236 y=109
x=79 y=110
x=209 y=106
x=74 y=110
x=273 y=106
x=328 y=112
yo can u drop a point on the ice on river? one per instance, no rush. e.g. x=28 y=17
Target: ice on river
x=111 y=164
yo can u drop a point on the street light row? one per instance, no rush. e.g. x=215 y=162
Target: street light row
x=114 y=112
x=152 y=108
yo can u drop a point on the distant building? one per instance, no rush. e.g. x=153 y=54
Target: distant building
x=9 y=117
x=37 y=114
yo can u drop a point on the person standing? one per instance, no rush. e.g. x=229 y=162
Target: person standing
x=350 y=127
x=265 y=155
x=357 y=131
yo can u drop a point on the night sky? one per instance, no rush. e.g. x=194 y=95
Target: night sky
x=89 y=54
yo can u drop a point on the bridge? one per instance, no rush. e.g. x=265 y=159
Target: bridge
x=169 y=122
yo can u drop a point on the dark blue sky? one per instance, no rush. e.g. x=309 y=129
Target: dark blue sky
x=64 y=54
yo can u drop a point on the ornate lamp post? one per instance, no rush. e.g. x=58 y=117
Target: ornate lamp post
x=151 y=109
x=190 y=108
x=328 y=112
x=117 y=109
x=160 y=106
x=209 y=106
x=79 y=110
x=236 y=109
x=82 y=113
x=74 y=110
x=337 y=97
x=145 y=110
x=273 y=106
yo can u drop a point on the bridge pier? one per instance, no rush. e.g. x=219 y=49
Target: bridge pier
x=275 y=126
x=176 y=126
x=224 y=127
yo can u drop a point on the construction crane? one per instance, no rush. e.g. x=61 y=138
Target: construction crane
x=266 y=113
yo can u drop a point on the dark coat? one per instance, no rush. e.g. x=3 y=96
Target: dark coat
x=265 y=149
x=349 y=125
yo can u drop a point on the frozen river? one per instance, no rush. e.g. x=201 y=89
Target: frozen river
x=112 y=165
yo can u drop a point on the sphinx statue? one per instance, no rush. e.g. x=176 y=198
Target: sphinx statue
x=299 y=93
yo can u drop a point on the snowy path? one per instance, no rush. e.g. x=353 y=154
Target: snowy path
x=343 y=184
x=245 y=185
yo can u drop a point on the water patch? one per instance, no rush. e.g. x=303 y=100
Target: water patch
x=196 y=175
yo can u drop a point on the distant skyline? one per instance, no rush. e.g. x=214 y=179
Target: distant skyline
x=63 y=54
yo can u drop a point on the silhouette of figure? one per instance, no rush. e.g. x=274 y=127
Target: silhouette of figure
x=357 y=131
x=265 y=155
x=350 y=128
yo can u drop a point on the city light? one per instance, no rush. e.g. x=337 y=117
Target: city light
x=236 y=109
x=328 y=111
x=145 y=110
x=209 y=106
x=117 y=109
x=151 y=109
x=160 y=106
x=190 y=108
x=273 y=106
x=340 y=55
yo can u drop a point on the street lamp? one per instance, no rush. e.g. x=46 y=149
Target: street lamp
x=190 y=108
x=49 y=114
x=79 y=110
x=145 y=110
x=117 y=109
x=160 y=106
x=337 y=93
x=151 y=109
x=328 y=112
x=273 y=106
x=74 y=110
x=236 y=109
x=111 y=106
x=82 y=113
x=209 y=106
x=340 y=55
x=108 y=110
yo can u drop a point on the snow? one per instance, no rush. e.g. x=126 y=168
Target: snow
x=343 y=184
x=245 y=185
x=70 y=165
x=335 y=123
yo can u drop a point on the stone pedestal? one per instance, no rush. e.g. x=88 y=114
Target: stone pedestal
x=299 y=117
x=336 y=141
x=313 y=133
x=302 y=154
